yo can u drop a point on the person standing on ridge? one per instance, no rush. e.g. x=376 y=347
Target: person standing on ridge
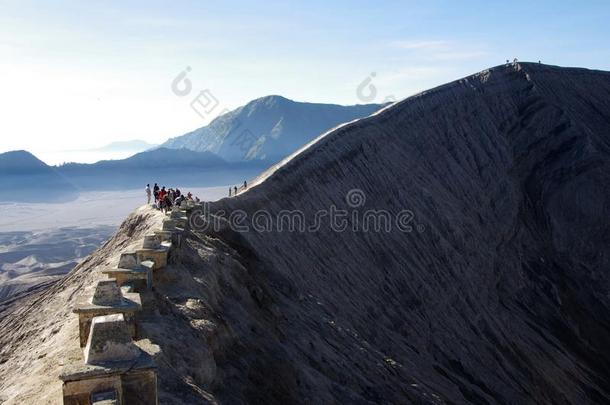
x=156 y=192
x=148 y=193
x=161 y=197
x=229 y=191
x=245 y=184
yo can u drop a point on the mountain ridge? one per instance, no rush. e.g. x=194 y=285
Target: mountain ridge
x=27 y=178
x=268 y=128
x=179 y=167
x=156 y=158
x=435 y=90
x=21 y=161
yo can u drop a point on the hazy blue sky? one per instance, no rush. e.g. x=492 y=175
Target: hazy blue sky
x=78 y=74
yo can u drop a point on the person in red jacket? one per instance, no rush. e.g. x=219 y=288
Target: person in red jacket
x=162 y=193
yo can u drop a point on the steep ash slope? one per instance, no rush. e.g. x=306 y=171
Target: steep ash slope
x=502 y=297
x=39 y=332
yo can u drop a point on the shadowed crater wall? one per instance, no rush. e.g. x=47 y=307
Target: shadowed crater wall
x=501 y=296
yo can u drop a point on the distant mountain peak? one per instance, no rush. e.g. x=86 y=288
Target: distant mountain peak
x=18 y=153
x=273 y=98
x=268 y=128
x=26 y=177
x=19 y=160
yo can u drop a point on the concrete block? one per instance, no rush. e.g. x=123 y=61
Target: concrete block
x=107 y=293
x=128 y=261
x=138 y=275
x=157 y=255
x=109 y=341
x=178 y=215
x=156 y=242
x=138 y=279
x=79 y=391
x=140 y=387
x=151 y=241
x=134 y=381
x=164 y=236
x=107 y=299
x=169 y=225
x=175 y=236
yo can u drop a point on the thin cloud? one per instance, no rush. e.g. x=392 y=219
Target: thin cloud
x=438 y=50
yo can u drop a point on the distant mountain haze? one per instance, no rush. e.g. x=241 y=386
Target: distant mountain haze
x=268 y=128
x=24 y=177
x=155 y=159
x=21 y=162
x=170 y=167
x=111 y=151
x=232 y=148
x=135 y=145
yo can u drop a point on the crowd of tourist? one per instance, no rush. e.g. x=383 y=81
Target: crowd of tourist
x=165 y=199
